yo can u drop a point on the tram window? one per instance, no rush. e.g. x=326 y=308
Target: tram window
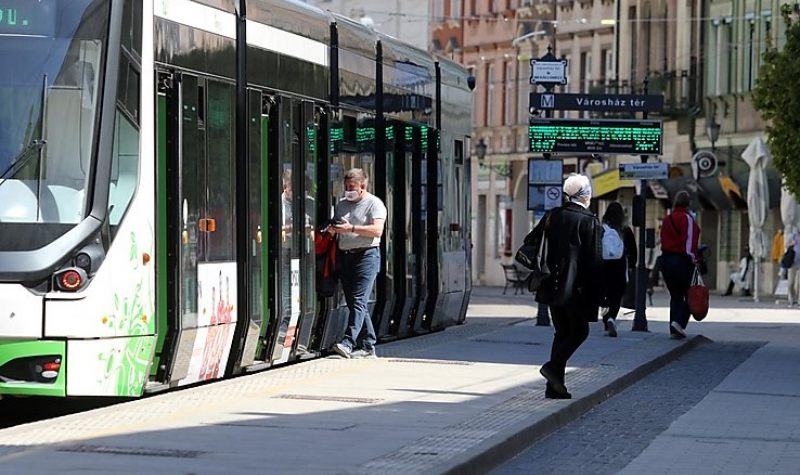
x=128 y=88
x=131 y=34
x=124 y=168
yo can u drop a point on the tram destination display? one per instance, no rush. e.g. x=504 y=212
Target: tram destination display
x=28 y=17
x=625 y=137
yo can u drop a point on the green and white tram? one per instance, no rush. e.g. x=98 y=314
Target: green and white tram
x=165 y=165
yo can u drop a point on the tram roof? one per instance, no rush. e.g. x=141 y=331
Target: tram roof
x=453 y=74
x=398 y=52
x=354 y=36
x=292 y=16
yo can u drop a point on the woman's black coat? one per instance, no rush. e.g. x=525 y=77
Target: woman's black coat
x=575 y=258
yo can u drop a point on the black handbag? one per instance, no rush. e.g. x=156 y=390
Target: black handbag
x=533 y=255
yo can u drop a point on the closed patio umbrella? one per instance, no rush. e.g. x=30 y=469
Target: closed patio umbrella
x=757 y=157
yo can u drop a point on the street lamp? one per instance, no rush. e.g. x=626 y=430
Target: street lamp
x=712 y=131
x=480 y=151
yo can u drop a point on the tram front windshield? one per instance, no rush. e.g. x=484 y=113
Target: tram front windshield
x=51 y=61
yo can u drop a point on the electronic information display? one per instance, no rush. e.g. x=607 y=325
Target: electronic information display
x=624 y=137
x=28 y=17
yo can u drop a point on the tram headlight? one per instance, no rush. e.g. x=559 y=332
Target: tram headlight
x=83 y=261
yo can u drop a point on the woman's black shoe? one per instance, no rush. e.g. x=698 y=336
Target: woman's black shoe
x=553 y=379
x=551 y=393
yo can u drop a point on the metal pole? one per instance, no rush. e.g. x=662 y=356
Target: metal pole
x=543 y=314
x=640 y=319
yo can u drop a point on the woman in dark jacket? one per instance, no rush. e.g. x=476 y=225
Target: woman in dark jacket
x=573 y=290
x=616 y=272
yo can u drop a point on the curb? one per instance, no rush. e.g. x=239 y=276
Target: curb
x=501 y=447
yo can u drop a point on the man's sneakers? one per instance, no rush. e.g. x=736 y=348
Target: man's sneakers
x=343 y=350
x=368 y=354
x=676 y=331
x=611 y=327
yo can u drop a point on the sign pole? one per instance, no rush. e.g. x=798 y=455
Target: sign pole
x=640 y=319
x=543 y=313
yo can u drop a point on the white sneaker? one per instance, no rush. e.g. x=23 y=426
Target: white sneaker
x=369 y=354
x=343 y=350
x=678 y=329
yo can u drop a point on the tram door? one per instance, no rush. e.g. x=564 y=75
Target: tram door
x=413 y=230
x=293 y=202
x=258 y=109
x=200 y=226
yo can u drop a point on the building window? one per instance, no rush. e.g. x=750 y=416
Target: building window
x=718 y=63
x=455 y=9
x=750 y=55
x=510 y=84
x=586 y=71
x=522 y=100
x=438 y=10
x=490 y=95
x=730 y=52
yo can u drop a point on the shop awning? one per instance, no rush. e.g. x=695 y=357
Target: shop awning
x=608 y=182
x=712 y=193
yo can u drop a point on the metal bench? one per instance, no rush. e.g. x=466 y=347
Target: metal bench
x=515 y=277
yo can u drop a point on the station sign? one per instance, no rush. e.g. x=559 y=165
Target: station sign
x=643 y=171
x=597 y=102
x=577 y=136
x=549 y=71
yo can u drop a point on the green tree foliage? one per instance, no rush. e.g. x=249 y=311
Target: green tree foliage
x=777 y=98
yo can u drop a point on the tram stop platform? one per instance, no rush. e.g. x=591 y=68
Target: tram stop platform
x=458 y=401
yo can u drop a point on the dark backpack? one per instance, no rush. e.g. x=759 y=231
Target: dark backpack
x=533 y=254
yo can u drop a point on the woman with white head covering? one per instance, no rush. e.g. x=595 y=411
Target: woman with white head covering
x=573 y=290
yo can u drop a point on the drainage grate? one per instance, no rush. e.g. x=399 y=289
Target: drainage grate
x=506 y=342
x=448 y=362
x=138 y=451
x=309 y=397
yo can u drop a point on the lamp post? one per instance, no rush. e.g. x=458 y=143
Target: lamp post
x=480 y=151
x=712 y=132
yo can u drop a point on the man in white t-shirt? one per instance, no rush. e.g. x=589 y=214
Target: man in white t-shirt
x=359 y=220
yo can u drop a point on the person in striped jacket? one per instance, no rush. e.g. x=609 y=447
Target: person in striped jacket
x=679 y=236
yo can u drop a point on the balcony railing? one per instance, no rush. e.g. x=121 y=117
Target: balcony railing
x=680 y=89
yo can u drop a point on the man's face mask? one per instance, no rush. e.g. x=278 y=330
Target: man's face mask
x=351 y=195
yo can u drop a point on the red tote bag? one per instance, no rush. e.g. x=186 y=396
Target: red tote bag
x=698 y=297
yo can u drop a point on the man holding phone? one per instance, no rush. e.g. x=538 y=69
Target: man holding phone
x=358 y=222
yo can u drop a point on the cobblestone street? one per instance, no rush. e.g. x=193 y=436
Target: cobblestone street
x=609 y=437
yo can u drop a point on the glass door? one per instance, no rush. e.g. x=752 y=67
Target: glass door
x=296 y=203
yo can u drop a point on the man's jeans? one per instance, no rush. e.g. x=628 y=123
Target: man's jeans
x=357 y=273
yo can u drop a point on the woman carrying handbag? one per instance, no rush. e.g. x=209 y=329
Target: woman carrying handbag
x=679 y=237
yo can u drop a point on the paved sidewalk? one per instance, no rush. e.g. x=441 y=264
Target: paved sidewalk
x=458 y=401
